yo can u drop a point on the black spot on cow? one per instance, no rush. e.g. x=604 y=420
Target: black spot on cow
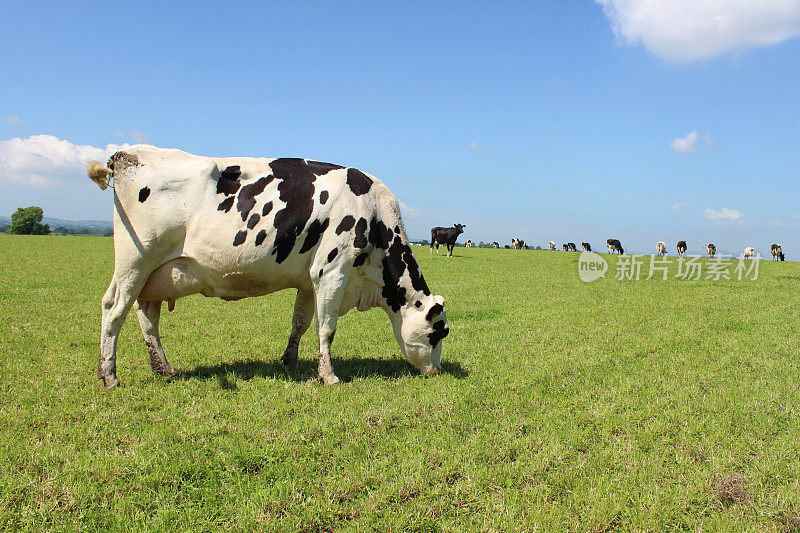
x=228 y=182
x=321 y=270
x=332 y=254
x=296 y=190
x=320 y=169
x=266 y=209
x=226 y=204
x=438 y=325
x=144 y=192
x=438 y=335
x=393 y=269
x=247 y=196
x=397 y=229
x=346 y=224
x=240 y=237
x=323 y=197
x=313 y=233
x=417 y=281
x=417 y=304
x=434 y=311
x=360 y=259
x=253 y=221
x=260 y=237
x=379 y=235
x=358 y=181
x=361 y=230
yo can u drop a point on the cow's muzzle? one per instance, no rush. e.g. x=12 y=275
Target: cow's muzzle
x=432 y=370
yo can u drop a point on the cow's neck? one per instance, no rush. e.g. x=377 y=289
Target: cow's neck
x=401 y=280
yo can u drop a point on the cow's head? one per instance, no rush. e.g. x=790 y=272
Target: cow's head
x=459 y=227
x=420 y=331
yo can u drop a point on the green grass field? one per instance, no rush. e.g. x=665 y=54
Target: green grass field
x=616 y=405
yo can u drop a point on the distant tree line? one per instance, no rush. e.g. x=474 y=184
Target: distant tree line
x=28 y=221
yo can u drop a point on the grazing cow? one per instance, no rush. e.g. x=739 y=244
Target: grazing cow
x=614 y=246
x=552 y=245
x=469 y=244
x=507 y=247
x=495 y=244
x=712 y=250
x=586 y=247
x=571 y=247
x=446 y=236
x=681 y=248
x=565 y=247
x=661 y=248
x=239 y=227
x=776 y=252
x=749 y=252
x=518 y=244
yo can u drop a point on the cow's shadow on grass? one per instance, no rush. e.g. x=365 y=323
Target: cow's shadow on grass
x=347 y=370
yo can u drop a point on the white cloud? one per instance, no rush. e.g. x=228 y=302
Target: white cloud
x=14 y=120
x=689 y=30
x=137 y=136
x=408 y=211
x=778 y=224
x=475 y=147
x=42 y=160
x=725 y=214
x=685 y=145
x=680 y=206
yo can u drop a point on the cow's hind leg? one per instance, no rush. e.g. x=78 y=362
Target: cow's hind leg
x=149 y=314
x=117 y=302
x=301 y=319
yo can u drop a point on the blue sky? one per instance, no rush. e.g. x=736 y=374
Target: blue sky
x=558 y=120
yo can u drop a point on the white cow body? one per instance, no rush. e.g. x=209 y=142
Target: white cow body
x=749 y=252
x=240 y=227
x=661 y=248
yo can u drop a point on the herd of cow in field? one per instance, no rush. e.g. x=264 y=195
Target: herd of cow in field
x=448 y=237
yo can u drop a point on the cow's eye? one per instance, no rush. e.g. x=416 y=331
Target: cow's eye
x=417 y=304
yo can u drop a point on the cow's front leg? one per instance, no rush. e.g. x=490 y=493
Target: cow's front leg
x=328 y=301
x=301 y=319
x=149 y=314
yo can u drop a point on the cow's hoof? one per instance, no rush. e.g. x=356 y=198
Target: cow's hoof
x=289 y=364
x=330 y=379
x=109 y=382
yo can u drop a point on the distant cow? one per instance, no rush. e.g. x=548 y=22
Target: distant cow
x=507 y=247
x=495 y=244
x=749 y=252
x=586 y=247
x=614 y=246
x=446 y=236
x=469 y=244
x=712 y=250
x=776 y=251
x=681 y=248
x=518 y=244
x=564 y=247
x=661 y=248
x=571 y=247
x=552 y=245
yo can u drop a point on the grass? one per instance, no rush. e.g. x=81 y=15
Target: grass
x=616 y=405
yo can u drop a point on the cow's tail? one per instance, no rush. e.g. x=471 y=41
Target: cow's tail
x=100 y=174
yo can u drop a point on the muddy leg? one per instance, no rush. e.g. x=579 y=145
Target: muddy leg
x=303 y=312
x=149 y=314
x=116 y=303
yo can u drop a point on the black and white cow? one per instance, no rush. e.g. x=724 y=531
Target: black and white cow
x=712 y=249
x=571 y=247
x=586 y=247
x=446 y=236
x=776 y=251
x=517 y=244
x=468 y=244
x=565 y=247
x=681 y=248
x=239 y=227
x=614 y=246
x=551 y=245
x=495 y=244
